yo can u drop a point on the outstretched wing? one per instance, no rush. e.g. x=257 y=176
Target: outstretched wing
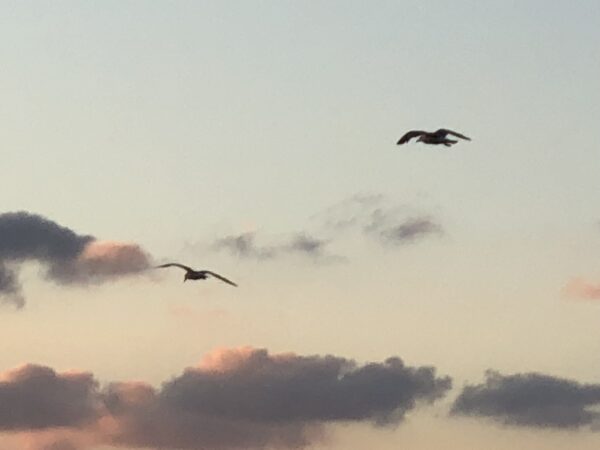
x=216 y=275
x=445 y=132
x=186 y=268
x=408 y=136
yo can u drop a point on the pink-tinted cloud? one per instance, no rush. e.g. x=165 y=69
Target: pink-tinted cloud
x=65 y=256
x=583 y=289
x=241 y=398
x=100 y=261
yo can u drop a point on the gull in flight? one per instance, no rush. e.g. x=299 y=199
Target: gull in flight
x=191 y=274
x=436 y=137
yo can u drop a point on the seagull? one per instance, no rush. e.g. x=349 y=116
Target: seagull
x=435 y=137
x=191 y=274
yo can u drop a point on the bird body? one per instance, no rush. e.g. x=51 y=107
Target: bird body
x=191 y=274
x=435 y=138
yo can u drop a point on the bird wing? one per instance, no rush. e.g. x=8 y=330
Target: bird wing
x=216 y=275
x=186 y=268
x=445 y=132
x=408 y=136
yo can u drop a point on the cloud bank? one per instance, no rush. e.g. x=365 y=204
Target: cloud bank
x=65 y=256
x=531 y=400
x=241 y=398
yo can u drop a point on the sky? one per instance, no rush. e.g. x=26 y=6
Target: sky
x=389 y=296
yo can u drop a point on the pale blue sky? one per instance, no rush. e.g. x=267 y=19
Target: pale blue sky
x=169 y=123
x=268 y=110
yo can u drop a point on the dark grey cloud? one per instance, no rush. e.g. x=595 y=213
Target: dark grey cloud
x=67 y=257
x=24 y=237
x=146 y=420
x=36 y=397
x=245 y=246
x=248 y=398
x=290 y=388
x=30 y=236
x=530 y=399
x=234 y=399
x=10 y=289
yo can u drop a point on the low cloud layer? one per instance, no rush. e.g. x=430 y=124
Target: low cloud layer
x=244 y=245
x=234 y=399
x=251 y=384
x=532 y=400
x=65 y=256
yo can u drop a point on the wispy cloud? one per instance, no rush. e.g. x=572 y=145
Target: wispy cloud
x=375 y=217
x=245 y=245
x=242 y=398
x=530 y=399
x=68 y=257
x=372 y=216
x=387 y=228
x=351 y=212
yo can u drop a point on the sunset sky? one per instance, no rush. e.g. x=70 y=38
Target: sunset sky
x=390 y=297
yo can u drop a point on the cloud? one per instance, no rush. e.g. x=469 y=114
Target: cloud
x=36 y=397
x=67 y=257
x=371 y=215
x=9 y=286
x=531 y=399
x=351 y=212
x=394 y=231
x=377 y=219
x=304 y=243
x=101 y=261
x=244 y=246
x=251 y=384
x=241 y=398
x=54 y=439
x=583 y=289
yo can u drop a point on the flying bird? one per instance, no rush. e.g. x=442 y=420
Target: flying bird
x=191 y=274
x=436 y=137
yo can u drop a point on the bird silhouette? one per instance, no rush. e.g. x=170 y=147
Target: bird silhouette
x=191 y=274
x=436 y=137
